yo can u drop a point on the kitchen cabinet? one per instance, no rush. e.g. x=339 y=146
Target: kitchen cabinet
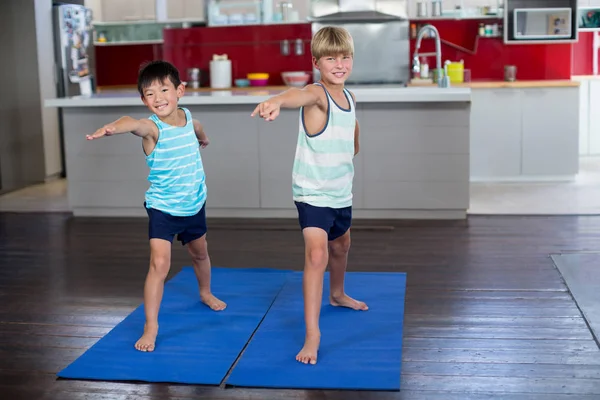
x=185 y=9
x=550 y=129
x=589 y=121
x=496 y=129
x=524 y=134
x=584 y=118
x=132 y=10
x=593 y=117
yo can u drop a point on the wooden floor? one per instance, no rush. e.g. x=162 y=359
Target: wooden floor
x=487 y=314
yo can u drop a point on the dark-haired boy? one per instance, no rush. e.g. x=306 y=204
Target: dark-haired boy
x=175 y=201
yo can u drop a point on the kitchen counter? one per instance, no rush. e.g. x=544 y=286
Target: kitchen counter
x=364 y=94
x=503 y=84
x=413 y=160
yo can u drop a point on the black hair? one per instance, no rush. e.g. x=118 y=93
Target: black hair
x=158 y=70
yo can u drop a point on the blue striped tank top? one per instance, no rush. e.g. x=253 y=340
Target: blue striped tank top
x=323 y=167
x=177 y=180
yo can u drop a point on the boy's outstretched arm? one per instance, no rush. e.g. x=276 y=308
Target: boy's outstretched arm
x=200 y=134
x=291 y=98
x=139 y=127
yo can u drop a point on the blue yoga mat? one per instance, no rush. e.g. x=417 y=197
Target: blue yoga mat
x=360 y=350
x=195 y=345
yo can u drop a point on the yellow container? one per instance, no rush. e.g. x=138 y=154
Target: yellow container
x=456 y=71
x=257 y=75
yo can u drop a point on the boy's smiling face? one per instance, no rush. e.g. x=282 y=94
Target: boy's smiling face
x=335 y=69
x=162 y=97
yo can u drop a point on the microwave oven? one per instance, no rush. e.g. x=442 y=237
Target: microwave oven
x=542 y=23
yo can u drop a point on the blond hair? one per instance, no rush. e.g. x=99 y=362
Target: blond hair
x=331 y=41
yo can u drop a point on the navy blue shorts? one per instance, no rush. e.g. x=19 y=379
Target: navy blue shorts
x=334 y=221
x=166 y=226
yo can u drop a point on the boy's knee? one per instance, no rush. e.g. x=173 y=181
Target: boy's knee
x=199 y=255
x=340 y=246
x=160 y=265
x=198 y=249
x=317 y=257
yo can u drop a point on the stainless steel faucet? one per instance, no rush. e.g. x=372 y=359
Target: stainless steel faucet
x=443 y=80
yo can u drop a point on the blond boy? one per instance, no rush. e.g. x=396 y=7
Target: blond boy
x=322 y=174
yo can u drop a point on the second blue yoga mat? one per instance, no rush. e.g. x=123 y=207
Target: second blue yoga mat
x=360 y=350
x=195 y=344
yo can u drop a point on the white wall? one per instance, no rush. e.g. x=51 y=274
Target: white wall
x=21 y=140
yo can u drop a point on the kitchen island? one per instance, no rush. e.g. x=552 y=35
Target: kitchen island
x=413 y=160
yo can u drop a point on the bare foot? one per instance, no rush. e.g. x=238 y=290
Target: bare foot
x=308 y=354
x=347 y=301
x=148 y=339
x=211 y=301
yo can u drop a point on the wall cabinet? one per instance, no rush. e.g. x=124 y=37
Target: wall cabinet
x=132 y=10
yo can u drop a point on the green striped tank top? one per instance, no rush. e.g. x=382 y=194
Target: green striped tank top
x=323 y=167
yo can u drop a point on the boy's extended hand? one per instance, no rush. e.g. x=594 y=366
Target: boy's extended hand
x=268 y=110
x=204 y=142
x=106 y=130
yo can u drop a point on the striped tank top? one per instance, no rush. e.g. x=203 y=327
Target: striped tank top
x=177 y=180
x=323 y=167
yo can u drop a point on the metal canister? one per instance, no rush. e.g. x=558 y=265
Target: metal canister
x=193 y=77
x=510 y=73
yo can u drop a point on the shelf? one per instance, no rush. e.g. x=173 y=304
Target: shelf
x=456 y=18
x=129 y=43
x=238 y=5
x=148 y=22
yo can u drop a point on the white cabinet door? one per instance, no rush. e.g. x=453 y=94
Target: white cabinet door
x=193 y=9
x=175 y=9
x=132 y=10
x=550 y=131
x=495 y=143
x=594 y=117
x=118 y=10
x=146 y=9
x=584 y=118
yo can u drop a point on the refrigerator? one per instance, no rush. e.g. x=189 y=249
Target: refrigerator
x=73 y=57
x=74 y=49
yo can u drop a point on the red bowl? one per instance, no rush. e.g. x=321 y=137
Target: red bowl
x=258 y=82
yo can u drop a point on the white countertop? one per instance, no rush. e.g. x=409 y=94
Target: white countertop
x=371 y=94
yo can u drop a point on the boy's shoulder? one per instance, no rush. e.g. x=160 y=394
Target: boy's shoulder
x=351 y=94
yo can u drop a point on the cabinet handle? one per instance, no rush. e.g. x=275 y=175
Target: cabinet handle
x=285 y=47
x=299 y=47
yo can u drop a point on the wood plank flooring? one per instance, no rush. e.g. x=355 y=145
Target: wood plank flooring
x=487 y=313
